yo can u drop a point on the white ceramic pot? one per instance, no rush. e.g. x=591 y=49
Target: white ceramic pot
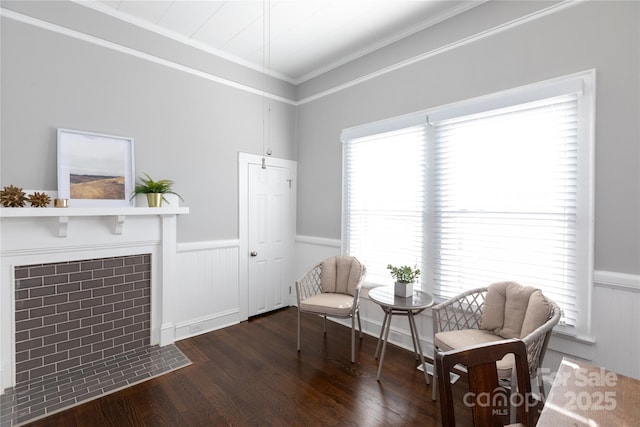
x=403 y=289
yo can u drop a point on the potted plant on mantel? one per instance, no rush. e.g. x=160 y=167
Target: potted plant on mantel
x=405 y=277
x=155 y=190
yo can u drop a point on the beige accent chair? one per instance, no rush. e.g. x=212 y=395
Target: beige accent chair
x=500 y=311
x=332 y=288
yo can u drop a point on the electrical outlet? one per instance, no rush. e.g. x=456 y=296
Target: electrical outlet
x=196 y=327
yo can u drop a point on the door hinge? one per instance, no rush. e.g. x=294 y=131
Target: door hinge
x=289 y=290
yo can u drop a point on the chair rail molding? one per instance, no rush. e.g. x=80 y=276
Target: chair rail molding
x=622 y=281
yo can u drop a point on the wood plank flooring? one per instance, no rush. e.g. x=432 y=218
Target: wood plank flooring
x=250 y=374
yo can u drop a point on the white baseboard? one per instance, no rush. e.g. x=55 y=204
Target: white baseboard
x=205 y=324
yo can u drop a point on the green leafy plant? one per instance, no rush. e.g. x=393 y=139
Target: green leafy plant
x=404 y=274
x=148 y=185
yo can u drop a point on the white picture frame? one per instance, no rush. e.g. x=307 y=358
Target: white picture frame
x=95 y=170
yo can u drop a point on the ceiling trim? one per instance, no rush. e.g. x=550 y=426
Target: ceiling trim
x=115 y=13
x=454 y=45
x=136 y=53
x=161 y=61
x=463 y=7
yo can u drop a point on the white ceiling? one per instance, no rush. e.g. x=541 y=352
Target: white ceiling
x=307 y=37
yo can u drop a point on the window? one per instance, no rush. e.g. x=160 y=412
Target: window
x=384 y=199
x=496 y=188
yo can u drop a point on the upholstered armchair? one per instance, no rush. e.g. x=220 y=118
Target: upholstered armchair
x=501 y=310
x=332 y=288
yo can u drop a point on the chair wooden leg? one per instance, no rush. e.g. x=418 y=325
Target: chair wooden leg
x=359 y=323
x=324 y=325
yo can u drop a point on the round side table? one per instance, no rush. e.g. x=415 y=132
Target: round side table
x=392 y=304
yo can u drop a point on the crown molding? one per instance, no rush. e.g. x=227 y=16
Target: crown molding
x=138 y=54
x=454 y=45
x=115 y=13
x=338 y=88
x=462 y=7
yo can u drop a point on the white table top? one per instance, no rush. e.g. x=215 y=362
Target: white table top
x=385 y=297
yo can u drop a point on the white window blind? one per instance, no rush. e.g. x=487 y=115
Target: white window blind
x=384 y=203
x=494 y=188
x=504 y=200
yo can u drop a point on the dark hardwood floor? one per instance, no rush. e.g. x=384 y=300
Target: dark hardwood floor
x=251 y=375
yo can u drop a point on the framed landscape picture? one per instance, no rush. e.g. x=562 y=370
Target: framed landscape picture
x=95 y=170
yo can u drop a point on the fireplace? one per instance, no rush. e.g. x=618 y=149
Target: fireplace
x=72 y=313
x=79 y=284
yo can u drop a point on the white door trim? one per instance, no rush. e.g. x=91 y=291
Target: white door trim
x=244 y=160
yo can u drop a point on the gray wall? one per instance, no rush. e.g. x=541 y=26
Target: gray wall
x=185 y=127
x=600 y=35
x=190 y=128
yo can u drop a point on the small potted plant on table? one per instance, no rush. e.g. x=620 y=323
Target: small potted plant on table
x=405 y=277
x=155 y=190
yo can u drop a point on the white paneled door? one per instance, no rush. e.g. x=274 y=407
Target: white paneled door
x=270 y=237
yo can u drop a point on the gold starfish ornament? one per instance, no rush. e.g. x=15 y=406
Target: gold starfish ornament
x=39 y=200
x=12 y=197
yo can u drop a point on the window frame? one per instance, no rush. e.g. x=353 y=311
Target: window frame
x=583 y=82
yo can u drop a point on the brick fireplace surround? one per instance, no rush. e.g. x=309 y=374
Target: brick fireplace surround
x=76 y=312
x=84 y=304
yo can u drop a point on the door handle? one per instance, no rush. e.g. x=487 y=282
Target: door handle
x=253 y=253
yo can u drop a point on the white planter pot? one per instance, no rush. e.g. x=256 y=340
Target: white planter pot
x=403 y=289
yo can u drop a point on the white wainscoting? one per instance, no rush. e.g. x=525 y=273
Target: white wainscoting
x=209 y=300
x=209 y=280
x=616 y=322
x=615 y=334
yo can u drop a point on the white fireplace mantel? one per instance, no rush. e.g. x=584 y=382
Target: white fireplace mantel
x=62 y=215
x=45 y=235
